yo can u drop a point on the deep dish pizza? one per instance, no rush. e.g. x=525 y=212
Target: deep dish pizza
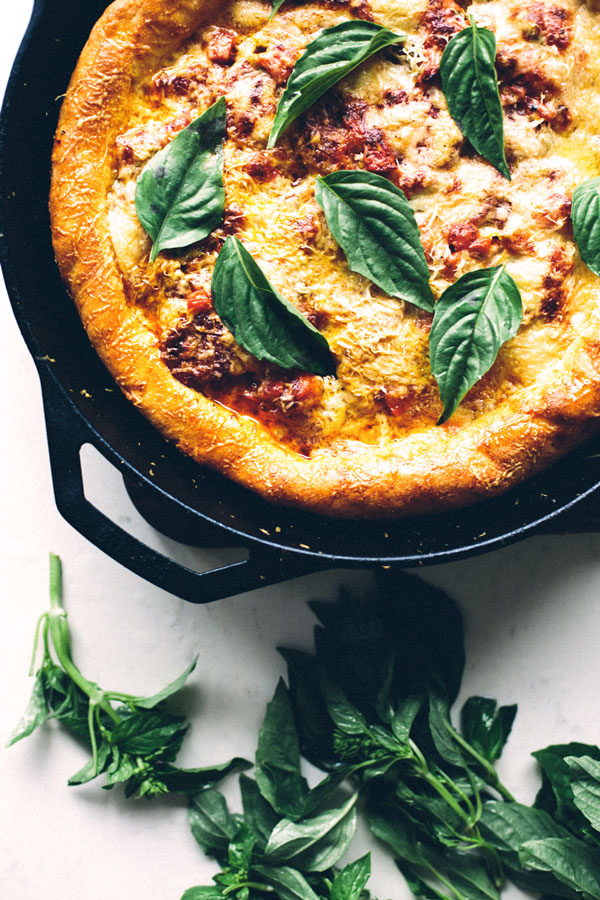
x=342 y=252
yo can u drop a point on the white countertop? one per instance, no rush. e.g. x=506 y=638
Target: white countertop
x=532 y=619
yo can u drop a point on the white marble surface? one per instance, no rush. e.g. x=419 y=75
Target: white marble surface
x=532 y=617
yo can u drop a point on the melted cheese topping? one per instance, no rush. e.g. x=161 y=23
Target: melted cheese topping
x=389 y=116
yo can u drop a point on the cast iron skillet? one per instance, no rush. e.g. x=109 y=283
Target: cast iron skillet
x=82 y=404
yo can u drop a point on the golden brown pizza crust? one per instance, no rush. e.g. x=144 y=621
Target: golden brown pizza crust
x=426 y=470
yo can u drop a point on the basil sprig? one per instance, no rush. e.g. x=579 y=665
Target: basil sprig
x=375 y=226
x=335 y=53
x=470 y=85
x=262 y=321
x=133 y=740
x=179 y=197
x=472 y=319
x=289 y=839
x=373 y=704
x=585 y=215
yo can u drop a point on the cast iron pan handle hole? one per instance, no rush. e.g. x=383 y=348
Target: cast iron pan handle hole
x=103 y=487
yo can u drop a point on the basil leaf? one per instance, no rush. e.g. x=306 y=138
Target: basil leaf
x=405 y=716
x=472 y=319
x=68 y=703
x=485 y=727
x=556 y=794
x=288 y=882
x=349 y=883
x=93 y=767
x=147 y=732
x=584 y=774
x=335 y=53
x=240 y=849
x=384 y=738
x=258 y=813
x=466 y=874
x=418 y=887
x=569 y=860
x=470 y=86
x=36 y=713
x=373 y=223
x=507 y=825
x=211 y=823
x=408 y=620
x=209 y=892
x=320 y=796
x=384 y=704
x=443 y=733
x=318 y=841
x=541 y=883
x=266 y=324
x=122 y=768
x=392 y=825
x=585 y=215
x=444 y=823
x=189 y=781
x=168 y=691
x=179 y=196
x=330 y=849
x=276 y=5
x=315 y=729
x=344 y=714
x=278 y=773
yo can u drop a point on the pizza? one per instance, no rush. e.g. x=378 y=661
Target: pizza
x=265 y=321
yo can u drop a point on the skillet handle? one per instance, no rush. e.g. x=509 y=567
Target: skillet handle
x=67 y=431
